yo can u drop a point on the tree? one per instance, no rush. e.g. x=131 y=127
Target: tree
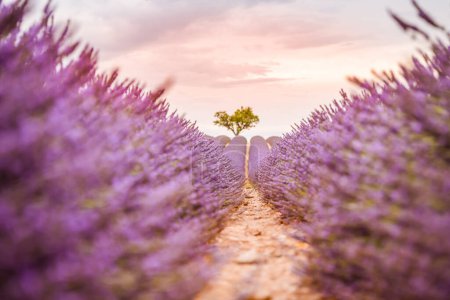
x=243 y=118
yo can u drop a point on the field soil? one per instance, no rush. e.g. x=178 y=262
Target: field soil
x=259 y=257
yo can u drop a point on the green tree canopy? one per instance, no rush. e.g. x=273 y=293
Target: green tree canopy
x=243 y=118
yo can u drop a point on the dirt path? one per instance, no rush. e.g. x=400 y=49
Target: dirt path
x=259 y=257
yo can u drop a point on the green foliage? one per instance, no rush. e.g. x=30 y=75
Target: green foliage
x=243 y=118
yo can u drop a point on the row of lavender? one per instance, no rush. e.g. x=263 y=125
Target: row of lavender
x=223 y=140
x=236 y=150
x=103 y=195
x=367 y=182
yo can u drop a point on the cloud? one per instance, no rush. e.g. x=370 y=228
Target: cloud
x=253 y=81
x=117 y=25
x=317 y=39
x=228 y=70
x=241 y=47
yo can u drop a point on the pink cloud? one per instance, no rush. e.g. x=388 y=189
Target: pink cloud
x=252 y=81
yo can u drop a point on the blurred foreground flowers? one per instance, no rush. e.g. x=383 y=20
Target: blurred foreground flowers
x=103 y=195
x=367 y=181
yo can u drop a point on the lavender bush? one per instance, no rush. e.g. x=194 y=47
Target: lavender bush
x=259 y=149
x=222 y=140
x=367 y=181
x=273 y=140
x=236 y=151
x=103 y=195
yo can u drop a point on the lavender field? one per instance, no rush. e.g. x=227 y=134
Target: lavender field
x=106 y=193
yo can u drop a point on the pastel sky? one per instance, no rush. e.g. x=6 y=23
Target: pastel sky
x=281 y=57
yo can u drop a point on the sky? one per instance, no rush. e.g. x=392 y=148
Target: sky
x=283 y=58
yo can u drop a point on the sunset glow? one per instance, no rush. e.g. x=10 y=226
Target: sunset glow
x=283 y=58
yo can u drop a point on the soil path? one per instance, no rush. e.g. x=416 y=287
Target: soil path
x=260 y=257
